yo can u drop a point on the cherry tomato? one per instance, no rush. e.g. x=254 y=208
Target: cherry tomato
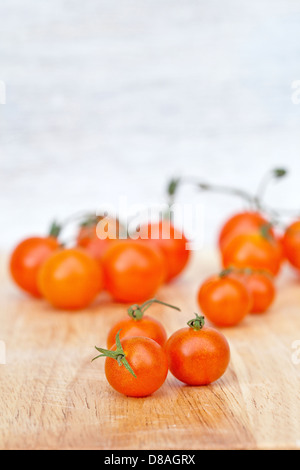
x=173 y=244
x=147 y=326
x=135 y=367
x=138 y=324
x=88 y=239
x=291 y=244
x=27 y=259
x=242 y=223
x=224 y=301
x=94 y=246
x=261 y=287
x=133 y=270
x=254 y=251
x=70 y=279
x=197 y=355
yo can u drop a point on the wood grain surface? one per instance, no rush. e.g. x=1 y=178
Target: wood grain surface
x=53 y=397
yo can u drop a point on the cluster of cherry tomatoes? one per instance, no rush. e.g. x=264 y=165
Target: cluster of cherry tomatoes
x=252 y=253
x=130 y=268
x=133 y=267
x=139 y=354
x=253 y=246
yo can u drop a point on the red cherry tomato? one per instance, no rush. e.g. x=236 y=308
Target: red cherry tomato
x=291 y=244
x=253 y=251
x=224 y=301
x=147 y=326
x=173 y=244
x=27 y=259
x=135 y=367
x=133 y=270
x=243 y=223
x=260 y=286
x=138 y=324
x=70 y=279
x=88 y=239
x=197 y=355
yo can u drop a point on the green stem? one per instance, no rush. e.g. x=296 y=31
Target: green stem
x=226 y=272
x=270 y=176
x=255 y=201
x=119 y=354
x=265 y=232
x=55 y=229
x=137 y=311
x=174 y=185
x=197 y=323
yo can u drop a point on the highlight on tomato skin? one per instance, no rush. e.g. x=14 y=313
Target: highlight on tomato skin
x=198 y=355
x=70 y=279
x=26 y=260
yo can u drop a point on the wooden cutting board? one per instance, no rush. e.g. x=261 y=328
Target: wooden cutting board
x=53 y=397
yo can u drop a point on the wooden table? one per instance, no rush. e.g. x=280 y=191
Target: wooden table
x=53 y=397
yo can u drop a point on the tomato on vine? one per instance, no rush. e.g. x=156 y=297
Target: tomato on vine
x=197 y=355
x=135 y=366
x=242 y=223
x=138 y=324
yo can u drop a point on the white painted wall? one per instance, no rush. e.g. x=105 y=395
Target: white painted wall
x=108 y=98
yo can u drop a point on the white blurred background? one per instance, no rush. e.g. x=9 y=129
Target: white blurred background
x=108 y=98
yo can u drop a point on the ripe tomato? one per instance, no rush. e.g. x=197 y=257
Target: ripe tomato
x=70 y=279
x=242 y=223
x=147 y=326
x=138 y=324
x=254 y=251
x=27 y=259
x=133 y=270
x=291 y=244
x=135 y=367
x=261 y=287
x=197 y=355
x=94 y=246
x=171 y=242
x=88 y=239
x=224 y=301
